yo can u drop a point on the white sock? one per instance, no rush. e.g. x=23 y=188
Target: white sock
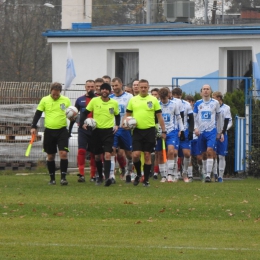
x=215 y=167
x=222 y=165
x=163 y=169
x=209 y=167
x=204 y=166
x=172 y=165
x=186 y=162
x=190 y=174
x=112 y=168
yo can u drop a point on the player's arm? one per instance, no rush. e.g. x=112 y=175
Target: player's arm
x=36 y=118
x=161 y=122
x=191 y=125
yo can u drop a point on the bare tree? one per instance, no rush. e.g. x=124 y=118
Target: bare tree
x=24 y=54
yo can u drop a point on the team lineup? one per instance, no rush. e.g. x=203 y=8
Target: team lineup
x=145 y=133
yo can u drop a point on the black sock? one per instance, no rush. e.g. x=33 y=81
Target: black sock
x=63 y=167
x=99 y=166
x=138 y=168
x=51 y=168
x=147 y=171
x=107 y=166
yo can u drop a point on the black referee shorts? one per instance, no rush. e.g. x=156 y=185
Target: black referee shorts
x=103 y=140
x=144 y=139
x=54 y=138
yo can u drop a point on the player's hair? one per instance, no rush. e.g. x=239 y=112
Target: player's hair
x=217 y=94
x=56 y=86
x=106 y=77
x=90 y=80
x=155 y=89
x=163 y=93
x=99 y=80
x=206 y=85
x=177 y=91
x=143 y=81
x=117 y=79
x=189 y=98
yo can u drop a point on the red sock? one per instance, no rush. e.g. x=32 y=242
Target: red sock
x=81 y=161
x=92 y=166
x=121 y=161
x=156 y=168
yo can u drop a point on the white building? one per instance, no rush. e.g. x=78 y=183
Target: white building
x=156 y=52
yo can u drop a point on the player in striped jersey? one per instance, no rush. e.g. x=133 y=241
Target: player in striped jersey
x=122 y=138
x=222 y=147
x=207 y=127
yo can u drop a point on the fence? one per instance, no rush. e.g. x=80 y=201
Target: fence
x=18 y=103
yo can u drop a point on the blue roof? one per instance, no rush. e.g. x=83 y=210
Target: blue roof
x=162 y=29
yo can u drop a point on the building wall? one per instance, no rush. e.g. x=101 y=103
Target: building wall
x=160 y=58
x=75 y=11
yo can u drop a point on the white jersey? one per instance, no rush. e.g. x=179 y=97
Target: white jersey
x=187 y=111
x=122 y=102
x=225 y=114
x=180 y=105
x=205 y=114
x=170 y=114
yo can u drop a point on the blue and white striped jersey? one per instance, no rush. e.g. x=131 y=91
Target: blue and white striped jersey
x=205 y=114
x=122 y=102
x=171 y=115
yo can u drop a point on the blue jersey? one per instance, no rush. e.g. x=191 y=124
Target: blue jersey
x=205 y=114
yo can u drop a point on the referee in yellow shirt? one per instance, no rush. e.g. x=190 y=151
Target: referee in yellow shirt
x=106 y=113
x=143 y=108
x=55 y=133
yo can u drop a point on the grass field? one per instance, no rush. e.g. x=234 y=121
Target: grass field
x=165 y=221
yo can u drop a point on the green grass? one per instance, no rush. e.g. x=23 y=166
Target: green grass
x=165 y=221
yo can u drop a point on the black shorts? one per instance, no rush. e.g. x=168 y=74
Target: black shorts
x=144 y=139
x=54 y=138
x=103 y=140
x=85 y=140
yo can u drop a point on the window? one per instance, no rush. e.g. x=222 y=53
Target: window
x=127 y=66
x=239 y=64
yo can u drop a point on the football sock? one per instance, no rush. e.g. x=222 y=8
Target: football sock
x=51 y=168
x=209 y=167
x=121 y=161
x=107 y=167
x=92 y=166
x=172 y=167
x=222 y=165
x=63 y=167
x=112 y=168
x=81 y=161
x=186 y=162
x=147 y=171
x=138 y=168
x=163 y=169
x=99 y=166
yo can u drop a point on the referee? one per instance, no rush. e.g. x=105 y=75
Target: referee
x=106 y=114
x=143 y=108
x=55 y=133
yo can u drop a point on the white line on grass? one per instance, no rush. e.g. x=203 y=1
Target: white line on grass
x=124 y=246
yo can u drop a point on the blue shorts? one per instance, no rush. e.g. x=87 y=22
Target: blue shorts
x=123 y=139
x=195 y=151
x=171 y=139
x=207 y=139
x=186 y=143
x=222 y=147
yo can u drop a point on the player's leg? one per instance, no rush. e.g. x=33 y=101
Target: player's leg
x=211 y=139
x=81 y=156
x=63 y=143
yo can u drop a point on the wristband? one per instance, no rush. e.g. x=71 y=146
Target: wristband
x=164 y=132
